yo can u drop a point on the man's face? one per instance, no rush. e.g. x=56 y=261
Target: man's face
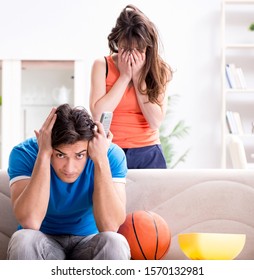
x=68 y=160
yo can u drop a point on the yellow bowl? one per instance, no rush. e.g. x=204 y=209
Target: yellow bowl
x=211 y=246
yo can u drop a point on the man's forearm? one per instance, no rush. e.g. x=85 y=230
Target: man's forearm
x=31 y=205
x=109 y=207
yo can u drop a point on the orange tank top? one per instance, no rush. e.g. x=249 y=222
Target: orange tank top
x=129 y=127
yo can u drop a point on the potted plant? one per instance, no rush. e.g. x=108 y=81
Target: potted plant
x=168 y=134
x=251 y=27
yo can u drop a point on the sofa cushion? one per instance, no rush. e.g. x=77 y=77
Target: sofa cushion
x=8 y=223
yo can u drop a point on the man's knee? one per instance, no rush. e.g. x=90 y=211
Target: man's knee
x=113 y=238
x=23 y=237
x=116 y=245
x=21 y=243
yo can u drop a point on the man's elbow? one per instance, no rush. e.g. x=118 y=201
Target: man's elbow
x=111 y=226
x=30 y=223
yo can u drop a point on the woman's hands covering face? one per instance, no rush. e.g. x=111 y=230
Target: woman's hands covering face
x=130 y=62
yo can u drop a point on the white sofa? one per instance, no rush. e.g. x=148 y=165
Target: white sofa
x=195 y=200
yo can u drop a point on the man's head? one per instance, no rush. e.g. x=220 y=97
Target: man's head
x=72 y=125
x=71 y=133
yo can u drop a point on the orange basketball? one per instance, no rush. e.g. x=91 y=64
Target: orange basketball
x=148 y=235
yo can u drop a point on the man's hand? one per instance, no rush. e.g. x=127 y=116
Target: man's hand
x=44 y=134
x=99 y=145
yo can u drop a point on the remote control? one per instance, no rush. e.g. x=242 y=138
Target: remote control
x=106 y=119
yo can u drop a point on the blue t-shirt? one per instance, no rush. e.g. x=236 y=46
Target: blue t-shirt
x=70 y=208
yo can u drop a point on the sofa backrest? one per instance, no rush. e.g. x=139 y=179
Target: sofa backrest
x=196 y=200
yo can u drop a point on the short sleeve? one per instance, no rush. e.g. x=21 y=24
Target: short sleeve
x=22 y=159
x=118 y=164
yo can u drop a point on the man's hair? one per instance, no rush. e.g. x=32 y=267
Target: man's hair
x=72 y=125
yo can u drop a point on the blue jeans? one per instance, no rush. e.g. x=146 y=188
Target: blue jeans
x=27 y=244
x=145 y=157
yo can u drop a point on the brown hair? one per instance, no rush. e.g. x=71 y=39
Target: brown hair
x=131 y=25
x=72 y=125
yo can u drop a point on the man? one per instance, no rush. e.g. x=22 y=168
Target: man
x=68 y=191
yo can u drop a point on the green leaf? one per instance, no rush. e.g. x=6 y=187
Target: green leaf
x=251 y=27
x=169 y=134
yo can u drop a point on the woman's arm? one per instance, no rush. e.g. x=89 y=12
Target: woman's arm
x=153 y=113
x=99 y=100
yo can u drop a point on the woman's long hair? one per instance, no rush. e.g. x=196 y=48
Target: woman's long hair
x=133 y=26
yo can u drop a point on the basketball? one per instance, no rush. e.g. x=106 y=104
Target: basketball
x=148 y=235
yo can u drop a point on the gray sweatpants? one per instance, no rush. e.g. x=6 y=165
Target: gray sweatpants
x=27 y=244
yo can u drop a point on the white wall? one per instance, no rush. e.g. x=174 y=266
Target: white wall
x=78 y=29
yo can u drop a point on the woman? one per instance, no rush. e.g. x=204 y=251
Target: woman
x=131 y=82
